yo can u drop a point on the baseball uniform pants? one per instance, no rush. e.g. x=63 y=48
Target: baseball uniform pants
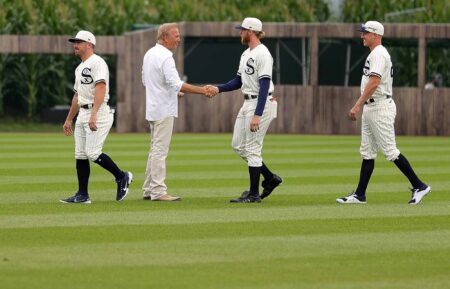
x=89 y=144
x=377 y=130
x=248 y=144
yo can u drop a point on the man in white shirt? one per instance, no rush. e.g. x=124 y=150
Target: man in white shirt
x=162 y=86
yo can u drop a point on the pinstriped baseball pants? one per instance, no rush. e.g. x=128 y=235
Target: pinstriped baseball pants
x=377 y=130
x=89 y=144
x=248 y=144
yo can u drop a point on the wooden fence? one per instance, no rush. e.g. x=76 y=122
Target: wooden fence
x=311 y=109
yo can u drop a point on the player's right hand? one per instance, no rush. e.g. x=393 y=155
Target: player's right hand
x=67 y=127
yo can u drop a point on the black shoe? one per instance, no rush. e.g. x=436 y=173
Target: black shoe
x=270 y=185
x=123 y=185
x=246 y=197
x=78 y=198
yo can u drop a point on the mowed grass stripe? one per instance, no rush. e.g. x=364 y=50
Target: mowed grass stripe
x=229 y=213
x=48 y=236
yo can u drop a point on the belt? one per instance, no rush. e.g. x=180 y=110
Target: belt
x=370 y=100
x=249 y=96
x=87 y=106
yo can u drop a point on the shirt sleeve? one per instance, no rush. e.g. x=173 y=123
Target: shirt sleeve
x=265 y=65
x=75 y=84
x=171 y=74
x=377 y=65
x=100 y=71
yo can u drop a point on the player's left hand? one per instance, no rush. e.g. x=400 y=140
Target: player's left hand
x=254 y=123
x=353 y=113
x=93 y=122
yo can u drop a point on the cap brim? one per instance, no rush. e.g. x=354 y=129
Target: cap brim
x=361 y=28
x=76 y=39
x=240 y=27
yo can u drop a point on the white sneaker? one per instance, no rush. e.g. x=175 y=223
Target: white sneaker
x=352 y=199
x=417 y=195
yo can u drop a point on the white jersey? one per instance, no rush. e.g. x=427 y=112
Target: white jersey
x=90 y=72
x=379 y=64
x=255 y=64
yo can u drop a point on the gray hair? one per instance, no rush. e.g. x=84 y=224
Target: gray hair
x=163 y=30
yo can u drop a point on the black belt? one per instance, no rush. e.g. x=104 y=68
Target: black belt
x=249 y=96
x=370 y=100
x=87 y=106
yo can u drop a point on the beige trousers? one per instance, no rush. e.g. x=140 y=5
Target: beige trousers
x=155 y=174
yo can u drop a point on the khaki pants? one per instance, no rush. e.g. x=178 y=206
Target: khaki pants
x=155 y=175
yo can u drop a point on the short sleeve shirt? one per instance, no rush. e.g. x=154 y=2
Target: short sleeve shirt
x=378 y=64
x=88 y=73
x=255 y=64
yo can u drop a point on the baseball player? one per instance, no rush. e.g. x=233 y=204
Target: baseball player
x=94 y=120
x=254 y=79
x=378 y=116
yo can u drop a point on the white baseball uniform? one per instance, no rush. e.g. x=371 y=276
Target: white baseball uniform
x=378 y=117
x=254 y=64
x=89 y=144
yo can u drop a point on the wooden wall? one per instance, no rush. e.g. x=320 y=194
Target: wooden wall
x=319 y=110
x=308 y=109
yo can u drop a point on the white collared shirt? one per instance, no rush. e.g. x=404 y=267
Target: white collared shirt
x=162 y=83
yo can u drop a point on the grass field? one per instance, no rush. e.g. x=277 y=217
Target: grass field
x=297 y=238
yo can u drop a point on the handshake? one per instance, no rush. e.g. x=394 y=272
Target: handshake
x=210 y=90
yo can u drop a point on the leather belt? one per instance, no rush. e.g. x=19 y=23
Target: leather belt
x=370 y=100
x=249 y=96
x=87 y=106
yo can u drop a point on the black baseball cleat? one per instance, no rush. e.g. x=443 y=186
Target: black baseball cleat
x=77 y=199
x=270 y=185
x=246 y=197
x=123 y=186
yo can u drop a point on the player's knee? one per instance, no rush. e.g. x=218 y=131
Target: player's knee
x=392 y=155
x=368 y=155
x=254 y=162
x=80 y=155
x=93 y=155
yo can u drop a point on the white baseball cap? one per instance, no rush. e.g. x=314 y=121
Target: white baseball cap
x=372 y=27
x=251 y=23
x=83 y=35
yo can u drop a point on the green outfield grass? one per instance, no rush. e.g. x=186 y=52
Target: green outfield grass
x=297 y=238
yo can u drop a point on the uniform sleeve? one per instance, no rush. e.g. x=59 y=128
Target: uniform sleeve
x=171 y=74
x=100 y=71
x=265 y=65
x=377 y=65
x=75 y=84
